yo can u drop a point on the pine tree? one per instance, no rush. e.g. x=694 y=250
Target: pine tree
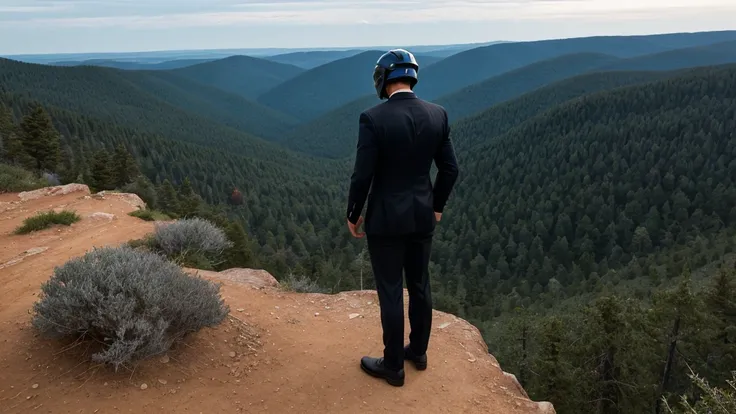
x=720 y=302
x=41 y=140
x=678 y=320
x=102 y=173
x=553 y=378
x=189 y=201
x=125 y=168
x=168 y=201
x=11 y=146
x=240 y=254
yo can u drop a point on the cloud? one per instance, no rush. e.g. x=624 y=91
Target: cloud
x=32 y=9
x=165 y=14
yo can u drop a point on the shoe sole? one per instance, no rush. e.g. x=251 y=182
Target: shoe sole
x=421 y=366
x=394 y=382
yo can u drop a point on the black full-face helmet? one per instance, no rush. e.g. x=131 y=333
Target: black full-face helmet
x=394 y=64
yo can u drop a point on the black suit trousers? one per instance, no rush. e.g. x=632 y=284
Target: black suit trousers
x=391 y=256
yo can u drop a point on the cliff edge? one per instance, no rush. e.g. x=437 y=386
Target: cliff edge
x=276 y=352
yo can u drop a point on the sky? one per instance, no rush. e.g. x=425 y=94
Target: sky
x=84 y=26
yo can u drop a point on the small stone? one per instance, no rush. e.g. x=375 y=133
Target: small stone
x=240 y=309
x=327 y=307
x=144 y=386
x=353 y=315
x=316 y=313
x=34 y=386
x=232 y=354
x=163 y=381
x=370 y=302
x=165 y=359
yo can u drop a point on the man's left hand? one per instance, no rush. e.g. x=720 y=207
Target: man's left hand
x=355 y=227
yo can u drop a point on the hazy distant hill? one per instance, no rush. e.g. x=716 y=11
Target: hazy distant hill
x=170 y=64
x=715 y=54
x=472 y=66
x=509 y=85
x=501 y=118
x=334 y=134
x=154 y=101
x=312 y=59
x=327 y=87
x=243 y=75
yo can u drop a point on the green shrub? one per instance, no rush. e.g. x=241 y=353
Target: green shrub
x=131 y=304
x=16 y=179
x=150 y=215
x=301 y=284
x=47 y=219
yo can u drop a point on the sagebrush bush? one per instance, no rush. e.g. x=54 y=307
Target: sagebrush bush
x=136 y=304
x=301 y=284
x=47 y=219
x=190 y=237
x=15 y=179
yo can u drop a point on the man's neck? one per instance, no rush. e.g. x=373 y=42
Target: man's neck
x=400 y=90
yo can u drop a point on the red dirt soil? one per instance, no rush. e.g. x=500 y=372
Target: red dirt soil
x=277 y=352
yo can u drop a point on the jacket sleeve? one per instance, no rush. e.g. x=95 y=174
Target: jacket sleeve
x=447 y=169
x=365 y=164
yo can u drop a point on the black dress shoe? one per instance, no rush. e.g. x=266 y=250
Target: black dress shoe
x=420 y=361
x=376 y=368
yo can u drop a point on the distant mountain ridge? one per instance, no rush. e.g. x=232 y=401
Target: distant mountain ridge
x=485 y=62
x=475 y=98
x=155 y=101
x=117 y=64
x=242 y=75
x=327 y=87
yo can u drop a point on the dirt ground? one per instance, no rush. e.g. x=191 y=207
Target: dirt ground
x=277 y=352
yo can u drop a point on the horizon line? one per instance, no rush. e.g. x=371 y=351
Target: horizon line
x=347 y=48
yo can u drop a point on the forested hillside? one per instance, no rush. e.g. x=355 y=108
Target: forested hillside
x=617 y=191
x=289 y=202
x=334 y=134
x=322 y=89
x=484 y=62
x=715 y=54
x=152 y=101
x=477 y=97
x=501 y=118
x=242 y=75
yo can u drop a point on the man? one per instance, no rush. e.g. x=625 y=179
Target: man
x=397 y=142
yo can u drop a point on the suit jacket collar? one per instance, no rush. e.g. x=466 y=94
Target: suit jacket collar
x=402 y=95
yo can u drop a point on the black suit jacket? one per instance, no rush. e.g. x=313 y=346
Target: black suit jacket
x=397 y=142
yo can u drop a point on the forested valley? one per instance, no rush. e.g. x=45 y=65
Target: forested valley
x=591 y=236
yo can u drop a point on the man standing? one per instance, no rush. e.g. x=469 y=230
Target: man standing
x=397 y=142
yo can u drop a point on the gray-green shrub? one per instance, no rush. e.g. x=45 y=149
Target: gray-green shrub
x=301 y=284
x=135 y=303
x=189 y=237
x=15 y=179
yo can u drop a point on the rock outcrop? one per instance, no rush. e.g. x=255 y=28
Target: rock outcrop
x=257 y=278
x=54 y=191
x=277 y=351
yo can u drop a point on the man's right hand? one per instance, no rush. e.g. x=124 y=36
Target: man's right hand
x=438 y=216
